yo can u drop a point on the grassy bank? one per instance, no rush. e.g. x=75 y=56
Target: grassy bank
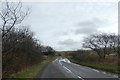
x=106 y=67
x=34 y=70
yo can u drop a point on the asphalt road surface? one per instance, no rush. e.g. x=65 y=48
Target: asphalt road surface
x=63 y=68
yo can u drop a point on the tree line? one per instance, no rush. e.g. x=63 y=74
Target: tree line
x=20 y=49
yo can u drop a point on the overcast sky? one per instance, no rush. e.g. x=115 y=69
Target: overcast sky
x=63 y=25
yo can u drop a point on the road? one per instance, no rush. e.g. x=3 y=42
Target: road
x=63 y=68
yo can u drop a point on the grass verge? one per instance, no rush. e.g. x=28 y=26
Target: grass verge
x=105 y=67
x=33 y=71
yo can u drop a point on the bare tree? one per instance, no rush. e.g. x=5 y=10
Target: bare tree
x=11 y=15
x=92 y=42
x=103 y=43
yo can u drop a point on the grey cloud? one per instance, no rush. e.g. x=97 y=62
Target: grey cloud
x=89 y=26
x=68 y=42
x=91 y=22
x=85 y=30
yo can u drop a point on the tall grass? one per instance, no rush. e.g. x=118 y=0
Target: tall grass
x=101 y=66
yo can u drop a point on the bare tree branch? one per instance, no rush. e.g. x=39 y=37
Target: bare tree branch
x=12 y=14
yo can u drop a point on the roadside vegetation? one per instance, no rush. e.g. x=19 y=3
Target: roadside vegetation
x=20 y=49
x=33 y=71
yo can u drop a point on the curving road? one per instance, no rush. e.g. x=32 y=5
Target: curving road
x=63 y=68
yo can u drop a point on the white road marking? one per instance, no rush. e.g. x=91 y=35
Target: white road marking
x=80 y=77
x=95 y=70
x=116 y=76
x=60 y=63
x=67 y=69
x=72 y=72
x=104 y=72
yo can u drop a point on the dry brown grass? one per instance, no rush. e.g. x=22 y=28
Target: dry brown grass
x=111 y=59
